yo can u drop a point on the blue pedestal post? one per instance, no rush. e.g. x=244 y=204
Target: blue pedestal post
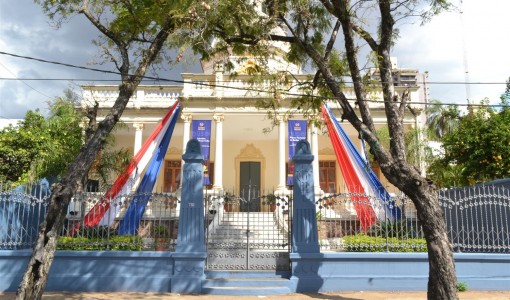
x=190 y=251
x=305 y=241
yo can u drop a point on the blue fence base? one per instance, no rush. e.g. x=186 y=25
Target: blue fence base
x=189 y=272
x=152 y=271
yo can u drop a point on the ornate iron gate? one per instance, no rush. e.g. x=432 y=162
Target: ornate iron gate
x=248 y=233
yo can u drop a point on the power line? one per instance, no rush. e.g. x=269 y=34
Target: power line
x=147 y=78
x=236 y=88
x=24 y=82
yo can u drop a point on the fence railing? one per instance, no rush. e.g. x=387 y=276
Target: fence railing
x=358 y=222
x=477 y=219
x=129 y=222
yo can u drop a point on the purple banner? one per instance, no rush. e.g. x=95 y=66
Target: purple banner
x=201 y=130
x=297 y=132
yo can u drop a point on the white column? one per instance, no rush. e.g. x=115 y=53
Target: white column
x=281 y=153
x=218 y=88
x=218 y=153
x=138 y=137
x=315 y=151
x=185 y=138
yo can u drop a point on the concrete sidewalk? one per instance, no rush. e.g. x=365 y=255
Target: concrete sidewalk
x=469 y=295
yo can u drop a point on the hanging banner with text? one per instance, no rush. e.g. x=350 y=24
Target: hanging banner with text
x=297 y=132
x=201 y=130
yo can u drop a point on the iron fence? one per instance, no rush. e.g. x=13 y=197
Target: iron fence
x=360 y=222
x=477 y=219
x=93 y=222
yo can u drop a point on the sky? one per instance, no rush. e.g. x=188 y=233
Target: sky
x=477 y=41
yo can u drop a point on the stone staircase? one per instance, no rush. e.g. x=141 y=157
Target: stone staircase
x=247 y=283
x=255 y=227
x=247 y=255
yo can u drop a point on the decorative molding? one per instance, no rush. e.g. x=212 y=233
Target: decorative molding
x=282 y=118
x=174 y=151
x=326 y=151
x=186 y=117
x=138 y=126
x=250 y=151
x=219 y=118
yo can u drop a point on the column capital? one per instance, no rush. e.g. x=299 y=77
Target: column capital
x=138 y=126
x=219 y=67
x=281 y=118
x=219 y=118
x=186 y=117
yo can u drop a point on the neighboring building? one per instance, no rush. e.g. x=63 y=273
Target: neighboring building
x=406 y=77
x=241 y=153
x=9 y=122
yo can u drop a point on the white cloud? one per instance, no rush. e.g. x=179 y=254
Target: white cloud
x=438 y=47
x=435 y=47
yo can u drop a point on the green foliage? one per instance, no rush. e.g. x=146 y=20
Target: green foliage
x=462 y=286
x=98 y=231
x=365 y=243
x=393 y=229
x=130 y=25
x=110 y=161
x=478 y=150
x=40 y=147
x=43 y=147
x=160 y=231
x=121 y=242
x=417 y=149
x=442 y=119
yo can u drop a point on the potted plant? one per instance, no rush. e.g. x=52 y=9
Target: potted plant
x=229 y=202
x=161 y=237
x=270 y=202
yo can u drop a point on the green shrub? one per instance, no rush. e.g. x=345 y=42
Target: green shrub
x=365 y=243
x=121 y=242
x=462 y=286
x=394 y=229
x=99 y=231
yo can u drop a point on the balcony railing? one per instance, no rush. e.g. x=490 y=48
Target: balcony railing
x=220 y=86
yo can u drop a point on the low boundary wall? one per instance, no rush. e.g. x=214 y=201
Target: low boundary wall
x=393 y=271
x=152 y=271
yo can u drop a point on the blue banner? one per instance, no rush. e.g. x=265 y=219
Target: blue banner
x=201 y=130
x=297 y=132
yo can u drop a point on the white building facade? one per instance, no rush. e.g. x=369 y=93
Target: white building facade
x=241 y=151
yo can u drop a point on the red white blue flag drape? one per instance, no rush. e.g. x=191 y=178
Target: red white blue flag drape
x=370 y=199
x=153 y=151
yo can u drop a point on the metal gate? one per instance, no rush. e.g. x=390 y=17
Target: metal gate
x=248 y=233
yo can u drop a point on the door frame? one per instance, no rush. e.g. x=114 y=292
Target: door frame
x=247 y=154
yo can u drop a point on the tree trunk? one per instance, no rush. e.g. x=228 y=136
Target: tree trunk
x=442 y=276
x=442 y=282
x=36 y=274
x=35 y=277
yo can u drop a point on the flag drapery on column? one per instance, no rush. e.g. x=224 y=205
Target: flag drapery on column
x=102 y=213
x=131 y=221
x=371 y=200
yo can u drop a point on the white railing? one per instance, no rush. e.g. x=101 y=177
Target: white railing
x=222 y=86
x=145 y=96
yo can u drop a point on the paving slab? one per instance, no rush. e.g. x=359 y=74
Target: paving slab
x=359 y=295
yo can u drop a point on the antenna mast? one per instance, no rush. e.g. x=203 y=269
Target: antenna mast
x=465 y=56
